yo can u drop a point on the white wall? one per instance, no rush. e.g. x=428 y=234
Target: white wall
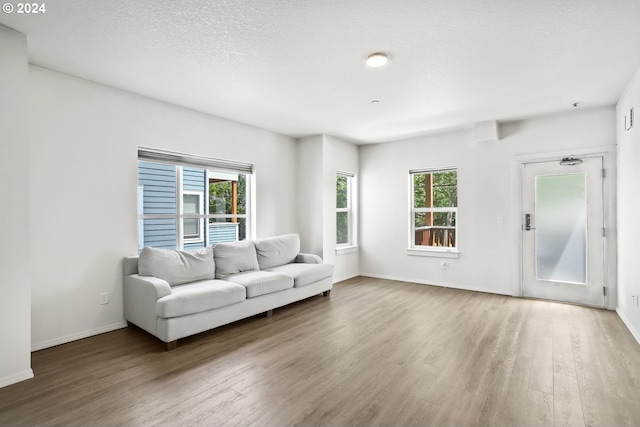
x=629 y=208
x=319 y=158
x=485 y=182
x=15 y=287
x=310 y=198
x=84 y=140
x=339 y=156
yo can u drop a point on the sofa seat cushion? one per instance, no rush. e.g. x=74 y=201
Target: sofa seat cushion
x=199 y=296
x=262 y=282
x=304 y=274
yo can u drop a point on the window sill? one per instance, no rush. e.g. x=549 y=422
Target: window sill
x=437 y=253
x=346 y=250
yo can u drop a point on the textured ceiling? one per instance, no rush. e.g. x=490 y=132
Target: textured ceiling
x=297 y=67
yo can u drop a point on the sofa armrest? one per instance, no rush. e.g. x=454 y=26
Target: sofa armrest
x=308 y=258
x=140 y=296
x=155 y=287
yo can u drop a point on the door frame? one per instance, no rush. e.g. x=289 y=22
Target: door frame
x=608 y=154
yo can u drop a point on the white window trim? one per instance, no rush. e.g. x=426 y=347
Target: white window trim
x=433 y=251
x=430 y=251
x=343 y=250
x=351 y=245
x=201 y=215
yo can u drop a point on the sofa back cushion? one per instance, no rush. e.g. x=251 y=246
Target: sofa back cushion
x=278 y=250
x=177 y=267
x=234 y=257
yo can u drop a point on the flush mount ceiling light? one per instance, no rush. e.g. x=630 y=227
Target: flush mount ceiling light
x=377 y=59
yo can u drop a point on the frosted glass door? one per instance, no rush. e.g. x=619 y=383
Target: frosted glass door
x=563 y=243
x=561 y=228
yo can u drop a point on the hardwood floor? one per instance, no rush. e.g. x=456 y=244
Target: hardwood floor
x=377 y=352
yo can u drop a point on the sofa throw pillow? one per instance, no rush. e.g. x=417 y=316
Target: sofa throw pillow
x=277 y=250
x=177 y=267
x=234 y=257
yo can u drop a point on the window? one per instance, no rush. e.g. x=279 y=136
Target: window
x=345 y=229
x=192 y=204
x=434 y=208
x=189 y=202
x=227 y=206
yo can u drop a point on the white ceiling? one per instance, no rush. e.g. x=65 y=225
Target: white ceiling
x=297 y=66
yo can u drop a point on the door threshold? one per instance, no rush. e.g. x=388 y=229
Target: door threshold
x=564 y=302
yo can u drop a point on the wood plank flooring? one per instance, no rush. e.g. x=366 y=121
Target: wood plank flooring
x=375 y=353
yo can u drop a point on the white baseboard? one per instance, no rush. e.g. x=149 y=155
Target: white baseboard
x=434 y=283
x=628 y=324
x=343 y=278
x=16 y=378
x=78 y=336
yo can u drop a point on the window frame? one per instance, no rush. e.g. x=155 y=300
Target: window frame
x=249 y=231
x=426 y=250
x=200 y=236
x=209 y=165
x=351 y=244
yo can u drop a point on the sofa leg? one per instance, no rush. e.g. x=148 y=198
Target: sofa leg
x=326 y=293
x=268 y=313
x=172 y=345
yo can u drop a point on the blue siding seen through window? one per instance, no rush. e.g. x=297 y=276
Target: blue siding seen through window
x=223 y=232
x=160 y=233
x=193 y=179
x=158 y=183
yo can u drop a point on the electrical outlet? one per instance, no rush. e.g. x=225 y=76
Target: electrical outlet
x=443 y=265
x=104 y=298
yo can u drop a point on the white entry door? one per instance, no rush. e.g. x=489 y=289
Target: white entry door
x=563 y=230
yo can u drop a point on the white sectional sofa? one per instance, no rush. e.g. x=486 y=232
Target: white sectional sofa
x=174 y=294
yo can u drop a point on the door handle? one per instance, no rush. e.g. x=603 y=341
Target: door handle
x=527 y=222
